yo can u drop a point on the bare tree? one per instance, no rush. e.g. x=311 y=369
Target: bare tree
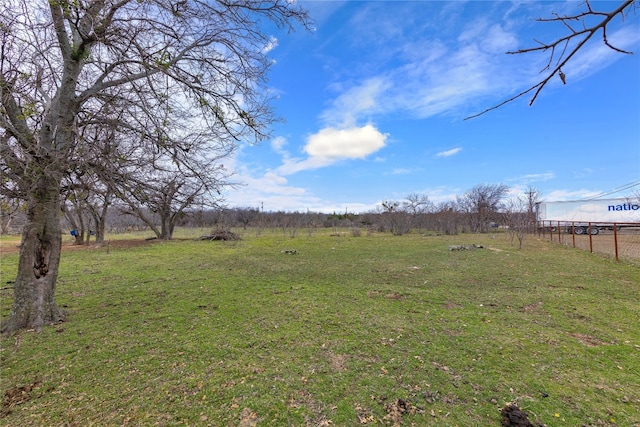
x=445 y=217
x=246 y=215
x=397 y=217
x=124 y=62
x=516 y=218
x=481 y=205
x=418 y=205
x=162 y=186
x=562 y=50
x=163 y=199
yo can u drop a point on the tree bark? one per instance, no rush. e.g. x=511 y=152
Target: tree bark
x=34 y=305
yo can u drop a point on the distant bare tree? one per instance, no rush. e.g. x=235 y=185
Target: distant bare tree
x=516 y=217
x=481 y=205
x=397 y=217
x=445 y=217
x=245 y=216
x=418 y=205
x=563 y=49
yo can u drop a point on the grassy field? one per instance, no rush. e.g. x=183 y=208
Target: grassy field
x=370 y=330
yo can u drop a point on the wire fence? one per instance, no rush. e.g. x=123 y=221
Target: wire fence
x=620 y=240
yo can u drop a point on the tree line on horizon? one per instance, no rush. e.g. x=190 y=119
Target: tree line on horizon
x=88 y=219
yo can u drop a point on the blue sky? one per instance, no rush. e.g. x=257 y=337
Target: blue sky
x=374 y=102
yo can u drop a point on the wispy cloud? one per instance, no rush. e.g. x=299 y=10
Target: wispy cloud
x=534 y=177
x=268 y=189
x=423 y=75
x=561 y=195
x=429 y=76
x=401 y=171
x=278 y=143
x=596 y=56
x=271 y=44
x=449 y=153
x=355 y=102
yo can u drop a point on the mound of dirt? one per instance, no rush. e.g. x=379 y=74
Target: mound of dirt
x=513 y=416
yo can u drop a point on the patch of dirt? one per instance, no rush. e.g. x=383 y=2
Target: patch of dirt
x=11 y=248
x=304 y=399
x=337 y=361
x=533 y=307
x=248 y=418
x=364 y=415
x=397 y=409
x=451 y=305
x=393 y=295
x=17 y=396
x=588 y=340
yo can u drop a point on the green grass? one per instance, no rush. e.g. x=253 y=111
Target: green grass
x=219 y=333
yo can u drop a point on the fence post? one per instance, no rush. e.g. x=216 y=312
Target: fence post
x=559 y=233
x=615 y=239
x=590 y=237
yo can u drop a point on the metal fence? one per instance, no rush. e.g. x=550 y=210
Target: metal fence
x=620 y=240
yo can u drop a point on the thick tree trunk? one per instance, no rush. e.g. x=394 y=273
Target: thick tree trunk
x=34 y=305
x=166 y=226
x=79 y=238
x=100 y=226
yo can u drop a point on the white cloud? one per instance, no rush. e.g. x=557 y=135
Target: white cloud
x=401 y=171
x=498 y=40
x=441 y=194
x=278 y=143
x=271 y=190
x=535 y=177
x=274 y=180
x=352 y=143
x=433 y=79
x=562 y=195
x=271 y=44
x=355 y=102
x=449 y=153
x=331 y=145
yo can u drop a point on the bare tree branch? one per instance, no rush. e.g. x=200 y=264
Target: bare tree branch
x=581 y=37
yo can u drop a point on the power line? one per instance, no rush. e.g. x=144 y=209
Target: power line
x=615 y=190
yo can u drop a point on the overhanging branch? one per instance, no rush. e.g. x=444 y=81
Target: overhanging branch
x=581 y=36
